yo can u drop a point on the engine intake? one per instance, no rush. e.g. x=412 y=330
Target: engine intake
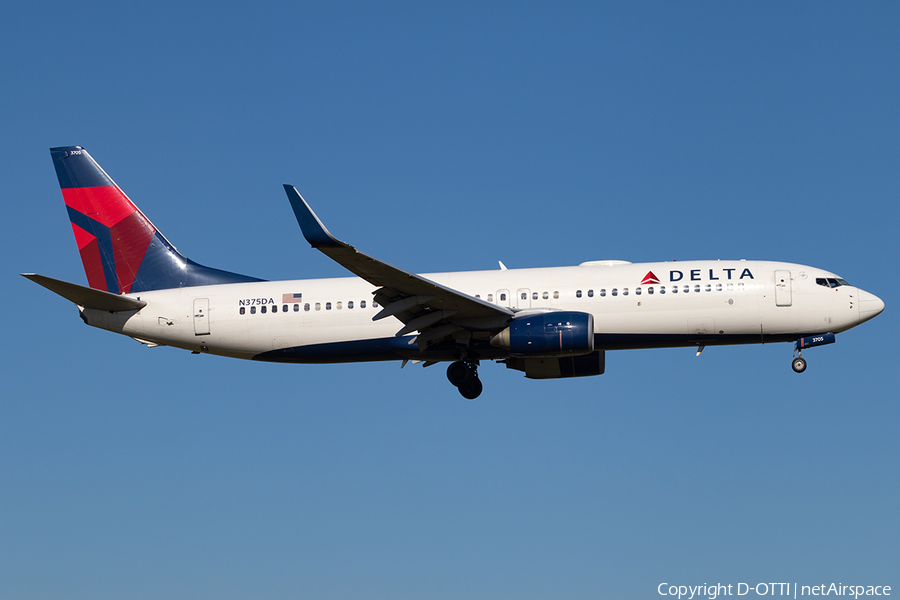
x=548 y=334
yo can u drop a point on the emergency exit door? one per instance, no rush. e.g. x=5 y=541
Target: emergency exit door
x=523 y=298
x=201 y=316
x=782 y=288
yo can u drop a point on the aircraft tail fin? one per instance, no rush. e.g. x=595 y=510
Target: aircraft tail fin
x=121 y=250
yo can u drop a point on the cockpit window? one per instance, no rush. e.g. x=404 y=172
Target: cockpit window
x=831 y=282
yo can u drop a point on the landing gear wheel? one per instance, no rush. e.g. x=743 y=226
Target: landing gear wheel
x=460 y=374
x=471 y=390
x=464 y=375
x=798 y=364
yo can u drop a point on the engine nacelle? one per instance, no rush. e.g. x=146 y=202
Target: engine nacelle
x=559 y=367
x=548 y=334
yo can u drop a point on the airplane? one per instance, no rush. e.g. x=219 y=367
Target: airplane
x=546 y=322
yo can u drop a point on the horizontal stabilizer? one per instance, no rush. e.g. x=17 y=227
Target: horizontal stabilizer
x=85 y=296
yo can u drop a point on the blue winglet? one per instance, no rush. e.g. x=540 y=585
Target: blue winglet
x=312 y=228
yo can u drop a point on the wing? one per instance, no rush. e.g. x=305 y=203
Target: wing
x=434 y=310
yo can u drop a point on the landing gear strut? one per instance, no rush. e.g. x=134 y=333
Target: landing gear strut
x=464 y=375
x=798 y=364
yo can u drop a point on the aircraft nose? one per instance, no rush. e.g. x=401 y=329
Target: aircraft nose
x=870 y=306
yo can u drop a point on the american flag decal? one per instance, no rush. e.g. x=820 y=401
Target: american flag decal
x=288 y=298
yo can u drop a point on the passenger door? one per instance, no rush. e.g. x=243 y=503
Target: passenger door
x=201 y=316
x=782 y=288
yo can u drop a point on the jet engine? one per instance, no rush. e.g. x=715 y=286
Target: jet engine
x=548 y=334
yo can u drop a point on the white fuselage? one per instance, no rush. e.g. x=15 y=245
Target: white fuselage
x=679 y=304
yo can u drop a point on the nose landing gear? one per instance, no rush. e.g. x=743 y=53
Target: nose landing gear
x=798 y=364
x=464 y=375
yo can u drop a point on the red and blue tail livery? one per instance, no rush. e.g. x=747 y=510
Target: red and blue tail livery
x=122 y=251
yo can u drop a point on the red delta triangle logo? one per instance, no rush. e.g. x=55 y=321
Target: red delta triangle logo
x=649 y=278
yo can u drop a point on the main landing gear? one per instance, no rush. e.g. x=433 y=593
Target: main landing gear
x=464 y=375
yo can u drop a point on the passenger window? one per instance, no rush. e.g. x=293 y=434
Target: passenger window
x=740 y=287
x=318 y=306
x=252 y=310
x=718 y=287
x=296 y=308
x=328 y=306
x=546 y=296
x=243 y=310
x=306 y=307
x=708 y=287
x=624 y=291
x=686 y=289
x=650 y=290
x=350 y=304
x=696 y=288
x=490 y=298
x=534 y=295
x=590 y=293
x=374 y=304
x=637 y=291
x=674 y=289
x=578 y=293
x=615 y=291
x=262 y=309
x=556 y=295
x=662 y=289
x=339 y=305
x=730 y=287
x=602 y=292
x=362 y=303
x=284 y=308
x=478 y=296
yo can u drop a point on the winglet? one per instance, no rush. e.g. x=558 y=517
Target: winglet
x=313 y=229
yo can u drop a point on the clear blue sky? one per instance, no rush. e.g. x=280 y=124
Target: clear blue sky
x=447 y=138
